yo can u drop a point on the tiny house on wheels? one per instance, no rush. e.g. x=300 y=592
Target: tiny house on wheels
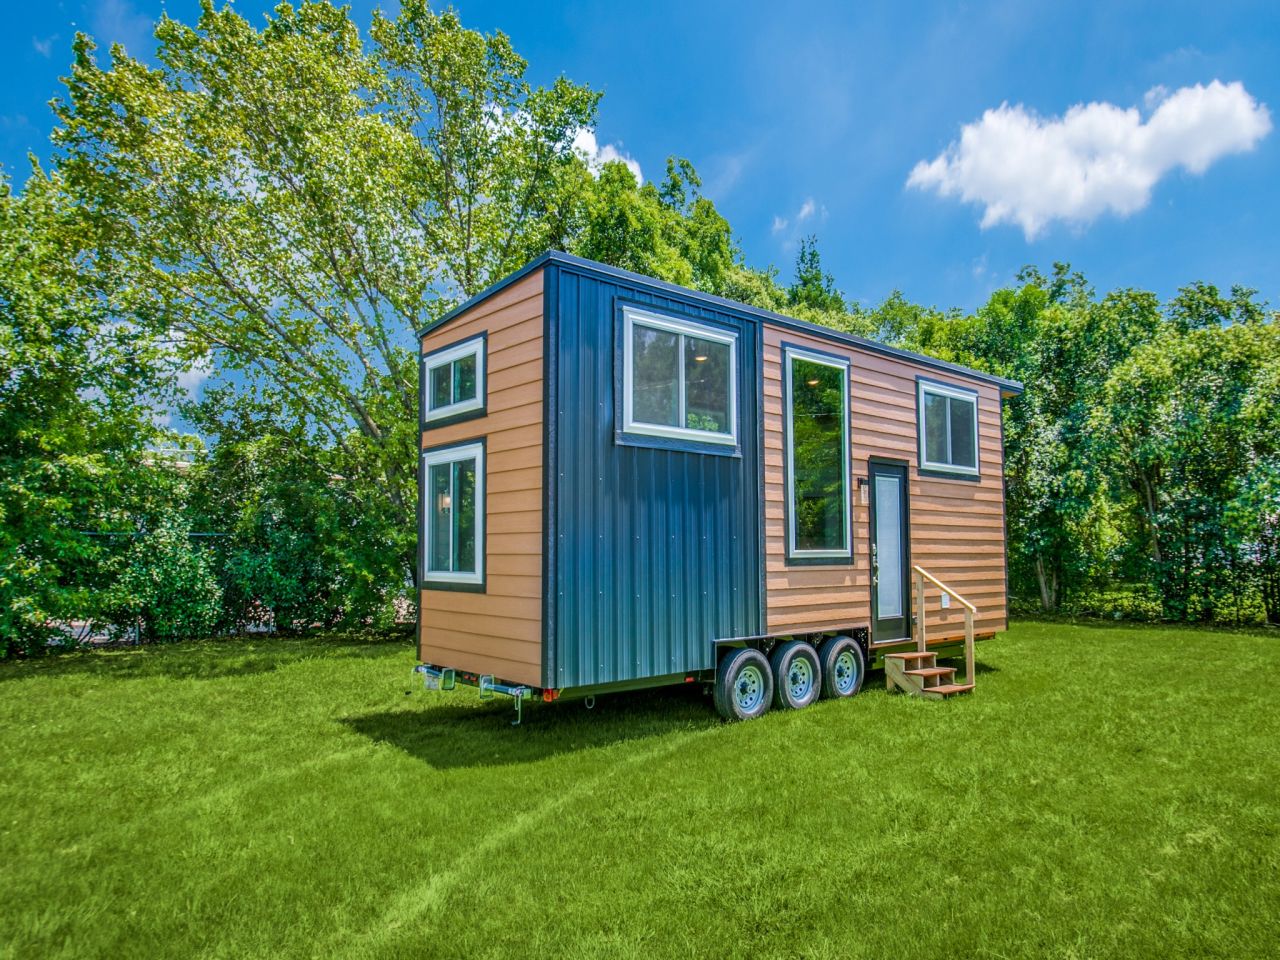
x=625 y=483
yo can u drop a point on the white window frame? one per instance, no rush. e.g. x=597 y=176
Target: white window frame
x=473 y=347
x=633 y=317
x=841 y=364
x=451 y=455
x=925 y=387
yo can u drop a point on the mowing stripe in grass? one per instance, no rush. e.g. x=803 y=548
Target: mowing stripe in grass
x=425 y=897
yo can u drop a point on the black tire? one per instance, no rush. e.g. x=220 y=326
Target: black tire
x=744 y=685
x=844 y=667
x=797 y=675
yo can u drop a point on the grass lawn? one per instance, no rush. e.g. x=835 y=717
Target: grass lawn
x=1107 y=791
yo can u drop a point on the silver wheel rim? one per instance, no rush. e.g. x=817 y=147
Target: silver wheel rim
x=800 y=679
x=748 y=689
x=846 y=671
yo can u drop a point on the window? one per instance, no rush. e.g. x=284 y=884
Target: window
x=679 y=379
x=453 y=515
x=948 y=428
x=818 y=468
x=453 y=380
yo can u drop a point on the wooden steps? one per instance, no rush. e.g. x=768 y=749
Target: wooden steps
x=918 y=674
x=951 y=689
x=928 y=672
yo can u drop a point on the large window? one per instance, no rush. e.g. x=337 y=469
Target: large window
x=453 y=515
x=818 y=468
x=948 y=428
x=453 y=380
x=678 y=379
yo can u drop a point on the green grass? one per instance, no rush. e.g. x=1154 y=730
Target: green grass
x=1106 y=792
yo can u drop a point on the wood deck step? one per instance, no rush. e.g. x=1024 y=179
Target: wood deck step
x=950 y=689
x=932 y=672
x=913 y=655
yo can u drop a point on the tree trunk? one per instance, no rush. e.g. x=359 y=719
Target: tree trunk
x=1270 y=567
x=1047 y=579
x=1148 y=490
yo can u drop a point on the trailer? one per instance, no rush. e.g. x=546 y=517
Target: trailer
x=624 y=483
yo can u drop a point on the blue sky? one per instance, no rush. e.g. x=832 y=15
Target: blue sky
x=811 y=118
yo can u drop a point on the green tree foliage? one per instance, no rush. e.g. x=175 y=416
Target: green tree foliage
x=299 y=544
x=813 y=288
x=166 y=583
x=288 y=204
x=80 y=391
x=1179 y=430
x=298 y=204
x=671 y=231
x=296 y=201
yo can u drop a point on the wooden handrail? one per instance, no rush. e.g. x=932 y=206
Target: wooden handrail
x=921 y=575
x=945 y=589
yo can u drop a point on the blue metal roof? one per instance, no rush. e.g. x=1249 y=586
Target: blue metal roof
x=627 y=276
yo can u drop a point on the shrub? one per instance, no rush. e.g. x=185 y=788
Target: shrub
x=167 y=584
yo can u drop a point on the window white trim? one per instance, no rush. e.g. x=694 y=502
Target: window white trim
x=632 y=317
x=925 y=388
x=788 y=355
x=451 y=455
x=434 y=361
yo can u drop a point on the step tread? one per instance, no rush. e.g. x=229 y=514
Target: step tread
x=932 y=672
x=949 y=689
x=913 y=655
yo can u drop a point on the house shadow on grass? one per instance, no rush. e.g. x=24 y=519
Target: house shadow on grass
x=449 y=736
x=958 y=662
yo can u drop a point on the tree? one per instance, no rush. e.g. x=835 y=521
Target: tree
x=813 y=287
x=81 y=389
x=299 y=544
x=1174 y=431
x=296 y=205
x=670 y=231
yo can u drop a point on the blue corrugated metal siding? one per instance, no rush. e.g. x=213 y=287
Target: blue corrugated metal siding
x=657 y=552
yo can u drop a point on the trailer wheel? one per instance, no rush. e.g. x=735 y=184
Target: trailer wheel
x=797 y=675
x=744 y=685
x=844 y=666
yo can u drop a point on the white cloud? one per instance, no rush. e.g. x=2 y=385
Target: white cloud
x=585 y=143
x=43 y=47
x=1097 y=158
x=189 y=379
x=726 y=173
x=808 y=210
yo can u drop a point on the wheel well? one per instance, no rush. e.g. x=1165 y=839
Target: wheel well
x=860 y=635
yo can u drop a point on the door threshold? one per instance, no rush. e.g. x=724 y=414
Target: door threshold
x=891 y=643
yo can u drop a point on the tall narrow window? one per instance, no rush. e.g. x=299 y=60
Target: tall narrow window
x=678 y=379
x=453 y=380
x=453 y=515
x=948 y=428
x=818 y=468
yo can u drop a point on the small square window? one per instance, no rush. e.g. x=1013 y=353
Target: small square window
x=679 y=379
x=453 y=380
x=948 y=428
x=453 y=515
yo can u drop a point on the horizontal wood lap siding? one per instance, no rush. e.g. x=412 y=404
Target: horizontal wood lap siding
x=499 y=631
x=957 y=526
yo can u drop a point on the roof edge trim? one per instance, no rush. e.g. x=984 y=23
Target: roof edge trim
x=1007 y=387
